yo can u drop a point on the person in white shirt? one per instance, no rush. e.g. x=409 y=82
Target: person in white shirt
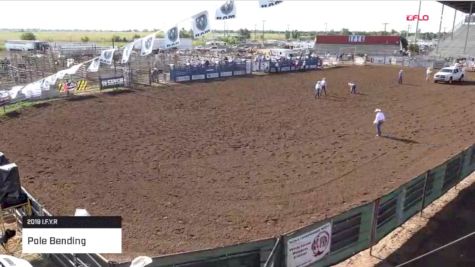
x=399 y=77
x=378 y=120
x=323 y=84
x=318 y=89
x=352 y=86
x=428 y=73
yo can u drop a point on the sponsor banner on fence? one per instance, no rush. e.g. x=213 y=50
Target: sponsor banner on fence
x=147 y=44
x=4 y=98
x=94 y=66
x=107 y=56
x=112 y=82
x=226 y=11
x=310 y=247
x=172 y=38
x=126 y=53
x=200 y=24
x=269 y=3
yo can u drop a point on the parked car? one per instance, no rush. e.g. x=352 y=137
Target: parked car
x=10 y=261
x=449 y=74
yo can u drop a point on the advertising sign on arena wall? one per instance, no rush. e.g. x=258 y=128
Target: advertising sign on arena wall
x=357 y=39
x=310 y=247
x=112 y=82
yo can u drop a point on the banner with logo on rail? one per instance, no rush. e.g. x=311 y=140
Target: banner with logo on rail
x=226 y=11
x=268 y=3
x=200 y=24
x=172 y=37
x=310 y=247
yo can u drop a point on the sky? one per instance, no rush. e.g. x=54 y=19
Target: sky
x=291 y=14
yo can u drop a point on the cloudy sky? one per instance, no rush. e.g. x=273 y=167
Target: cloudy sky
x=293 y=14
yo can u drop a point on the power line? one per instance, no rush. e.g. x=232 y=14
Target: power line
x=437 y=249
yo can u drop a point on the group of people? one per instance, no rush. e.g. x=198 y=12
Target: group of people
x=321 y=88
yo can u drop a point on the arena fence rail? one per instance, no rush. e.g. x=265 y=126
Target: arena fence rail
x=323 y=243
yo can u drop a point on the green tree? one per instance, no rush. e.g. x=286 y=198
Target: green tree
x=295 y=34
x=414 y=48
x=345 y=31
x=287 y=35
x=404 y=42
x=244 y=34
x=185 y=34
x=136 y=36
x=28 y=36
x=85 y=39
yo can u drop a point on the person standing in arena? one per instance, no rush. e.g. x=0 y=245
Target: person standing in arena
x=399 y=79
x=428 y=73
x=378 y=121
x=352 y=86
x=323 y=84
x=318 y=89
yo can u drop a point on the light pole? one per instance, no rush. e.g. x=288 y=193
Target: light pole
x=255 y=31
x=263 y=22
x=417 y=23
x=408 y=30
x=385 y=24
x=326 y=24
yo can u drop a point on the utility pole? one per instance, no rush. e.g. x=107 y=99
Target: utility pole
x=417 y=23
x=255 y=31
x=440 y=27
x=385 y=24
x=408 y=29
x=263 y=22
x=326 y=24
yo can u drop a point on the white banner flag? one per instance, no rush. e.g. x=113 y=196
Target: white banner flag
x=309 y=247
x=200 y=24
x=269 y=3
x=172 y=37
x=94 y=66
x=147 y=45
x=49 y=81
x=226 y=11
x=107 y=56
x=70 y=71
x=126 y=53
x=32 y=90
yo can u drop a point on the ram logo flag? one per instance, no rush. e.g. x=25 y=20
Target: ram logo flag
x=126 y=53
x=172 y=37
x=147 y=45
x=94 y=66
x=107 y=56
x=200 y=24
x=226 y=11
x=269 y=3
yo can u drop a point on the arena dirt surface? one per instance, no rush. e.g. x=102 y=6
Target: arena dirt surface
x=203 y=165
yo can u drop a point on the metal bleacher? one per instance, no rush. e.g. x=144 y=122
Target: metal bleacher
x=370 y=50
x=454 y=47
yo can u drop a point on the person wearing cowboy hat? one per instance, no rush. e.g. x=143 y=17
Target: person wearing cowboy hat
x=378 y=120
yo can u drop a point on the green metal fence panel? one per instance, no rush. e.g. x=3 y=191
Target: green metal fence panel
x=247 y=254
x=275 y=257
x=453 y=172
x=351 y=233
x=388 y=213
x=435 y=182
x=413 y=196
x=469 y=161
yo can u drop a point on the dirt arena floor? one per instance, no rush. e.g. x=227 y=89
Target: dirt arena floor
x=211 y=164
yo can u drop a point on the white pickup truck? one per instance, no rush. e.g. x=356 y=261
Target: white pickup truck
x=449 y=74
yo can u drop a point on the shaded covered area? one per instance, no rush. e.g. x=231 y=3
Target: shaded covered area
x=452 y=222
x=462 y=6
